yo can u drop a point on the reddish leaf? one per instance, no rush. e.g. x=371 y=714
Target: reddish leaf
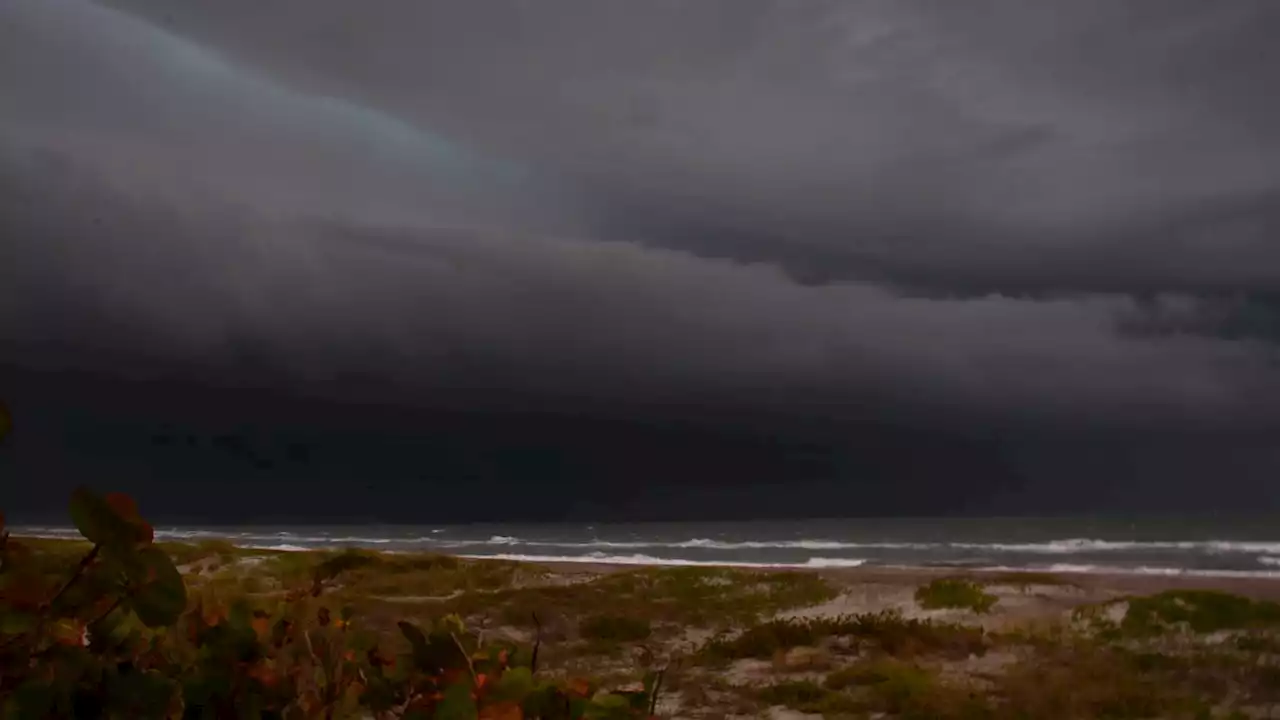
x=213 y=616
x=123 y=506
x=97 y=521
x=264 y=674
x=580 y=687
x=262 y=627
x=502 y=711
x=379 y=659
x=160 y=594
x=451 y=676
x=68 y=632
x=322 y=615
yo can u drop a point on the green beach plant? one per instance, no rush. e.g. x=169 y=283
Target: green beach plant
x=116 y=635
x=955 y=593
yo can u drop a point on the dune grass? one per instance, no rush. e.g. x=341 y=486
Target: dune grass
x=1175 y=654
x=956 y=594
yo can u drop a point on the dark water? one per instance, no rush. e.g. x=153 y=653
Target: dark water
x=1208 y=547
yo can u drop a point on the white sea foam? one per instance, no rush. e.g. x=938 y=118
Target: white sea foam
x=651 y=551
x=1070 y=568
x=607 y=559
x=1065 y=546
x=1084 y=545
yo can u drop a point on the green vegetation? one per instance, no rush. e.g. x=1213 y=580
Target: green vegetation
x=886 y=632
x=355 y=633
x=119 y=626
x=808 y=697
x=1200 y=611
x=955 y=593
x=617 y=628
x=684 y=597
x=883 y=687
x=116 y=635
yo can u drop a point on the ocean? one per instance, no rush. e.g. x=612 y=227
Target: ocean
x=1228 y=548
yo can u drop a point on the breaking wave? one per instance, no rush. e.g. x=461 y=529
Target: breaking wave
x=1064 y=546
x=606 y=559
x=1206 y=557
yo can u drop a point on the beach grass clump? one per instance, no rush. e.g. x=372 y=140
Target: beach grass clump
x=807 y=696
x=615 y=628
x=366 y=573
x=690 y=597
x=1200 y=611
x=955 y=593
x=906 y=690
x=1093 y=680
x=896 y=689
x=887 y=632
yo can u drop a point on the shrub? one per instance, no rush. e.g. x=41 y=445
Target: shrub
x=808 y=697
x=115 y=636
x=614 y=628
x=955 y=593
x=1201 y=611
x=887 y=631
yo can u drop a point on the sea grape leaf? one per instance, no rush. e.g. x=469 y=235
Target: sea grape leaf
x=127 y=509
x=515 y=684
x=506 y=710
x=580 y=687
x=637 y=700
x=445 y=654
x=140 y=693
x=547 y=702
x=418 y=641
x=457 y=704
x=33 y=699
x=95 y=519
x=160 y=596
x=608 y=706
x=14 y=622
x=112 y=522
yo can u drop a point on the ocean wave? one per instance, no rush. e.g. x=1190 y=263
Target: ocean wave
x=1062 y=546
x=1069 y=546
x=607 y=559
x=1072 y=568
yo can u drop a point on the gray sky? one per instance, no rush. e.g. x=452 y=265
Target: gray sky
x=1061 y=210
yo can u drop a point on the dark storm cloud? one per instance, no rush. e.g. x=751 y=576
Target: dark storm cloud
x=983 y=140
x=1024 y=212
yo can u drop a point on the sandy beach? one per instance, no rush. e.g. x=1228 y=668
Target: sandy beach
x=846 y=642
